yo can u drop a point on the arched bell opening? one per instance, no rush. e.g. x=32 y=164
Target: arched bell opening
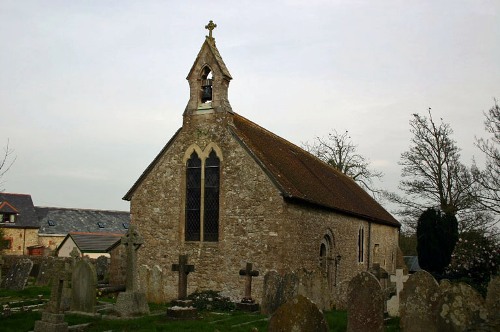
x=206 y=85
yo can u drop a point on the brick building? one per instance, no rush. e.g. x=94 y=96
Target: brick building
x=226 y=191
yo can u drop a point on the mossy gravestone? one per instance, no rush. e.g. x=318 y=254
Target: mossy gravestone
x=418 y=303
x=298 y=315
x=365 y=304
x=83 y=287
x=18 y=275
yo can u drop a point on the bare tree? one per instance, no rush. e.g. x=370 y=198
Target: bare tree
x=433 y=175
x=489 y=179
x=339 y=151
x=6 y=161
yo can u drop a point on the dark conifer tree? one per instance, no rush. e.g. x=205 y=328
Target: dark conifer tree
x=437 y=234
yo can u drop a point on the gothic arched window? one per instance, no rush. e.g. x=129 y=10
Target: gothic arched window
x=202 y=197
x=211 y=198
x=193 y=198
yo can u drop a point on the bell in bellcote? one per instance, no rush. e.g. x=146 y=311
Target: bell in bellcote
x=206 y=90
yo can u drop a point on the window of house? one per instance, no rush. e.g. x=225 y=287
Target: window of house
x=7 y=218
x=361 y=245
x=202 y=211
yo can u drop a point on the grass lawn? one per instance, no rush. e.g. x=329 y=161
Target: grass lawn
x=209 y=321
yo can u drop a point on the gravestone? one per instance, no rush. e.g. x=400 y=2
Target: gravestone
x=492 y=302
x=247 y=303
x=365 y=304
x=132 y=302
x=460 y=307
x=52 y=317
x=1 y=265
x=298 y=315
x=278 y=290
x=182 y=308
x=418 y=303
x=18 y=275
x=83 y=287
x=393 y=304
x=102 y=268
x=45 y=272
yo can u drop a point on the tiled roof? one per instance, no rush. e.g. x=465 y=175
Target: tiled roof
x=301 y=176
x=55 y=220
x=23 y=206
x=93 y=242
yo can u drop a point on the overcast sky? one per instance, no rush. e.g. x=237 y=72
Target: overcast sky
x=90 y=91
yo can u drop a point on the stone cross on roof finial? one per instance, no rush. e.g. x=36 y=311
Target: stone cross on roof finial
x=210 y=26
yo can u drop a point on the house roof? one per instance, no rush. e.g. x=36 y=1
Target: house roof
x=61 y=221
x=93 y=242
x=301 y=176
x=22 y=205
x=412 y=263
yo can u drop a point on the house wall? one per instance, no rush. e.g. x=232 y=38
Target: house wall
x=21 y=239
x=67 y=247
x=256 y=224
x=50 y=241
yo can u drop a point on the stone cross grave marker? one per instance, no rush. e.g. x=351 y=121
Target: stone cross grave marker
x=399 y=279
x=132 y=241
x=248 y=273
x=52 y=317
x=18 y=275
x=74 y=253
x=183 y=268
x=132 y=302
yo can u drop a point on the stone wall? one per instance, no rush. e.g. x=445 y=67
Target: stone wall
x=21 y=239
x=256 y=224
x=50 y=241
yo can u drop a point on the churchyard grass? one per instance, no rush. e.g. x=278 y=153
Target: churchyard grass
x=31 y=292
x=208 y=322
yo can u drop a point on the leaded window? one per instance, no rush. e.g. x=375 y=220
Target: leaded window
x=193 y=198
x=211 y=204
x=202 y=198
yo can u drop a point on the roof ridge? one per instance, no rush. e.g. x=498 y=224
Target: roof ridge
x=79 y=209
x=95 y=233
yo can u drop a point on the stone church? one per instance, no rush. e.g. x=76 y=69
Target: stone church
x=226 y=191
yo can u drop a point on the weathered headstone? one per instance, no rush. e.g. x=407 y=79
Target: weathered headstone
x=83 y=287
x=365 y=304
x=132 y=302
x=393 y=304
x=52 y=317
x=298 y=315
x=1 y=265
x=418 y=302
x=278 y=290
x=18 y=275
x=102 y=268
x=248 y=303
x=45 y=273
x=460 y=307
x=493 y=302
x=182 y=308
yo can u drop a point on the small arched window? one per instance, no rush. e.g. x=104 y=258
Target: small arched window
x=361 y=245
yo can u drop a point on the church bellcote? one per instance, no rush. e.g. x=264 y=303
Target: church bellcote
x=208 y=79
